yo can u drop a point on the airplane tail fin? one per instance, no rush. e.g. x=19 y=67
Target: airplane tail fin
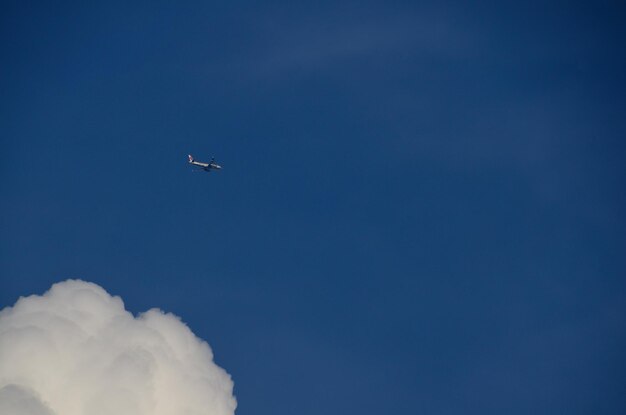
x=190 y=158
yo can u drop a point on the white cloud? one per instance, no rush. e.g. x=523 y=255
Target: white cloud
x=77 y=351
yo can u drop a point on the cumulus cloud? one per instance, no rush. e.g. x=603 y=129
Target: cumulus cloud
x=76 y=351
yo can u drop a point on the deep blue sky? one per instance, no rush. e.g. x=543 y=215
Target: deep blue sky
x=422 y=208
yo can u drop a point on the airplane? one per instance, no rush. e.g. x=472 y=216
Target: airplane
x=207 y=167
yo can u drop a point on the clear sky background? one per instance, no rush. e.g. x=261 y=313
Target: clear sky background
x=422 y=208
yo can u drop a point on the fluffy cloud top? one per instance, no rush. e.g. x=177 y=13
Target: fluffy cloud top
x=77 y=351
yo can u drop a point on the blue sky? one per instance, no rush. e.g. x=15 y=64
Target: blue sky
x=422 y=207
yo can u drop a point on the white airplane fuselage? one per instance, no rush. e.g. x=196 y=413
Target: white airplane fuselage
x=205 y=166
